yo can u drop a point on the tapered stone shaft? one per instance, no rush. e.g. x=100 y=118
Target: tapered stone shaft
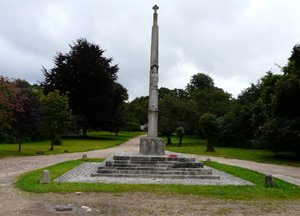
x=151 y=145
x=153 y=84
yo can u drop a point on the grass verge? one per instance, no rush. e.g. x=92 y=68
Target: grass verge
x=30 y=182
x=195 y=145
x=95 y=140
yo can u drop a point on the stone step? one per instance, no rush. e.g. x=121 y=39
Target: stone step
x=154 y=172
x=151 y=168
x=187 y=165
x=156 y=176
x=124 y=163
x=152 y=158
x=137 y=165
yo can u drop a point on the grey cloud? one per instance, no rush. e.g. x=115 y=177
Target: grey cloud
x=234 y=41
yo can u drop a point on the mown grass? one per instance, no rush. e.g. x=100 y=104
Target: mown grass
x=195 y=145
x=30 y=182
x=95 y=140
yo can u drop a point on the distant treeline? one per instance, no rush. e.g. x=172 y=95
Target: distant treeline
x=81 y=92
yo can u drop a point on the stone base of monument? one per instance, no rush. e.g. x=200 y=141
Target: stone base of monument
x=152 y=146
x=154 y=166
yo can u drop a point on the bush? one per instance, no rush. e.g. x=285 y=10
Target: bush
x=180 y=134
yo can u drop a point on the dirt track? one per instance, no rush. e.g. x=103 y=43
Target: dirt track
x=15 y=202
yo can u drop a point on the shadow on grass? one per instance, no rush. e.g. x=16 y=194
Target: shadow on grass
x=284 y=157
x=88 y=138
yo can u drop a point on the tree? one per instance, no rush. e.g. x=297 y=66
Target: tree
x=10 y=102
x=29 y=122
x=175 y=109
x=57 y=115
x=209 y=128
x=199 y=81
x=208 y=98
x=137 y=110
x=89 y=78
x=283 y=119
x=213 y=100
x=168 y=116
x=180 y=134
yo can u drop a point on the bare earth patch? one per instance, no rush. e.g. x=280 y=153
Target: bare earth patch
x=21 y=203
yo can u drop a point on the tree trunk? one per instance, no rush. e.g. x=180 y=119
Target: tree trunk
x=20 y=146
x=169 y=139
x=52 y=145
x=210 y=147
x=180 y=140
x=84 y=131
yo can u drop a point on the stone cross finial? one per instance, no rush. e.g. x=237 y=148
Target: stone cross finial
x=155 y=8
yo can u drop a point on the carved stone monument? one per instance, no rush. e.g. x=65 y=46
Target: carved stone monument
x=151 y=162
x=151 y=145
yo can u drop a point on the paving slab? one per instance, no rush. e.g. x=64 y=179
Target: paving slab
x=82 y=173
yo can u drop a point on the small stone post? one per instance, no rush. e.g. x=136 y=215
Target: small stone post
x=84 y=157
x=45 y=179
x=269 y=181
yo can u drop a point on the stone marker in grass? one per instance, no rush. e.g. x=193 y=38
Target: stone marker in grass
x=84 y=157
x=45 y=179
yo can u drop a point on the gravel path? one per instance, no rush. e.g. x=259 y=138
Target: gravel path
x=16 y=202
x=14 y=166
x=286 y=173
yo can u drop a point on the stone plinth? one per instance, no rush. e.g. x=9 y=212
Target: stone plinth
x=152 y=146
x=154 y=166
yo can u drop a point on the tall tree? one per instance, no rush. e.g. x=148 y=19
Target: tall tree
x=89 y=78
x=208 y=98
x=29 y=122
x=138 y=110
x=10 y=102
x=209 y=128
x=283 y=122
x=199 y=81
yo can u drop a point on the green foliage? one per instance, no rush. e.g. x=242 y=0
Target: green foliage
x=10 y=103
x=137 y=110
x=57 y=115
x=267 y=115
x=30 y=182
x=209 y=128
x=29 y=123
x=168 y=116
x=209 y=99
x=176 y=109
x=21 y=115
x=280 y=129
x=200 y=81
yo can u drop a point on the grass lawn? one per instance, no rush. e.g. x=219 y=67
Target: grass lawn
x=195 y=145
x=285 y=191
x=96 y=140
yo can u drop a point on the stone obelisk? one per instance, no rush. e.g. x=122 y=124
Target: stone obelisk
x=151 y=145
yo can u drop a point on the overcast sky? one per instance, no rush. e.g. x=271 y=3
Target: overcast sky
x=234 y=41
